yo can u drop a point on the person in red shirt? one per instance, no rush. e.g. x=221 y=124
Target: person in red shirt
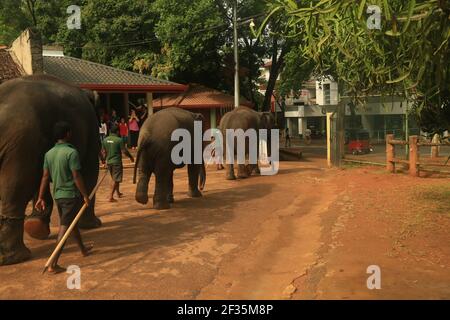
x=123 y=131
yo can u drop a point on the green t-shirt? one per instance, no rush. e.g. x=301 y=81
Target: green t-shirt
x=113 y=146
x=60 y=161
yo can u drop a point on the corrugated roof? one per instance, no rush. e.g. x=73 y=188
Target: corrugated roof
x=8 y=68
x=90 y=74
x=198 y=96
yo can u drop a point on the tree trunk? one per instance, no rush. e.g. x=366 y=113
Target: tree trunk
x=31 y=9
x=275 y=69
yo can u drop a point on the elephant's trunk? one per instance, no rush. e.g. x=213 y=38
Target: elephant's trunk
x=136 y=164
x=202 y=177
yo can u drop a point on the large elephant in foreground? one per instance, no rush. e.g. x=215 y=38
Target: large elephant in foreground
x=244 y=118
x=29 y=108
x=154 y=156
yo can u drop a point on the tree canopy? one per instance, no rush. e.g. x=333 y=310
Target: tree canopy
x=181 y=40
x=407 y=55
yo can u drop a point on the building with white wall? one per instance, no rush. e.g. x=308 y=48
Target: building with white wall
x=379 y=115
x=307 y=109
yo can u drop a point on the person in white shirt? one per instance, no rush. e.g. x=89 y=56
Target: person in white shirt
x=103 y=129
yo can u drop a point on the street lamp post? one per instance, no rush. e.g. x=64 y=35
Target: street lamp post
x=236 y=57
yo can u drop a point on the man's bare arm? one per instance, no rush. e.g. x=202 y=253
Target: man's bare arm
x=40 y=203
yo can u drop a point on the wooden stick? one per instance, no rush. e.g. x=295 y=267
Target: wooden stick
x=72 y=226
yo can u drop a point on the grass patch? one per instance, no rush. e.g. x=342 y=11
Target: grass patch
x=439 y=196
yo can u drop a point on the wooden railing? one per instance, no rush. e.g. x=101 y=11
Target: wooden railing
x=414 y=154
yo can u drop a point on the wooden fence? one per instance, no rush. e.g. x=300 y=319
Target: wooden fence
x=414 y=155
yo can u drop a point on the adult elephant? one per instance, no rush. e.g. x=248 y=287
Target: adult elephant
x=155 y=156
x=244 y=118
x=29 y=109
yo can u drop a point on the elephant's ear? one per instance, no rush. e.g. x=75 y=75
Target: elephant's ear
x=93 y=97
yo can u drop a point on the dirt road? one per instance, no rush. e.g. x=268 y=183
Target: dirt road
x=308 y=232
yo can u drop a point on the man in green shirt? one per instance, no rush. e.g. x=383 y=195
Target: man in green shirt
x=113 y=147
x=62 y=167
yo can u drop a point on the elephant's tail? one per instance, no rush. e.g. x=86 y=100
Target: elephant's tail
x=136 y=163
x=202 y=177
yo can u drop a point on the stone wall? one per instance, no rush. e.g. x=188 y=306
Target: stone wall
x=27 y=51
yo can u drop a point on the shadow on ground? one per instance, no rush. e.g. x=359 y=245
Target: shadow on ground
x=188 y=220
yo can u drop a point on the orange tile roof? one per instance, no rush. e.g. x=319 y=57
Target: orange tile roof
x=198 y=97
x=8 y=68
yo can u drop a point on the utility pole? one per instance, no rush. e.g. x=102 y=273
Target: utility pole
x=236 y=56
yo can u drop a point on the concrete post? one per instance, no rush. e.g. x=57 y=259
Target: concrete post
x=213 y=119
x=149 y=97
x=435 y=149
x=126 y=105
x=108 y=104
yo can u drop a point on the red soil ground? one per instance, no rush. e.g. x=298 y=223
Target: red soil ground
x=307 y=233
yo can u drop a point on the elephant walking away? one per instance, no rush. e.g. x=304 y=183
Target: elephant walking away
x=245 y=118
x=29 y=109
x=154 y=157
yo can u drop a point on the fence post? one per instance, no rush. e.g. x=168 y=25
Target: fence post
x=413 y=156
x=390 y=154
x=435 y=149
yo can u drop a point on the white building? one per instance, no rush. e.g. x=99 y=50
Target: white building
x=307 y=109
x=379 y=116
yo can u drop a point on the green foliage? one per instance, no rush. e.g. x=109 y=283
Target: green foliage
x=114 y=32
x=181 y=40
x=295 y=72
x=408 y=56
x=13 y=19
x=192 y=31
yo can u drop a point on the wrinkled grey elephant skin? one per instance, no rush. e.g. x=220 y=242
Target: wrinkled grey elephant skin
x=29 y=108
x=245 y=118
x=154 y=157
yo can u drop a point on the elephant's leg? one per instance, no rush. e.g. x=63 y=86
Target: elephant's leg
x=18 y=183
x=193 y=174
x=37 y=225
x=142 y=187
x=230 y=172
x=160 y=198
x=88 y=219
x=229 y=167
x=170 y=197
x=12 y=247
x=250 y=168
x=242 y=171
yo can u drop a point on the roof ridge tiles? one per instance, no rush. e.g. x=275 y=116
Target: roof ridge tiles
x=135 y=74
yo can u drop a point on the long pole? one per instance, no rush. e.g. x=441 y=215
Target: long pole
x=72 y=226
x=236 y=57
x=406 y=130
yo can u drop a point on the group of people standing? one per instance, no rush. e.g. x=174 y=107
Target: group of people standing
x=128 y=129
